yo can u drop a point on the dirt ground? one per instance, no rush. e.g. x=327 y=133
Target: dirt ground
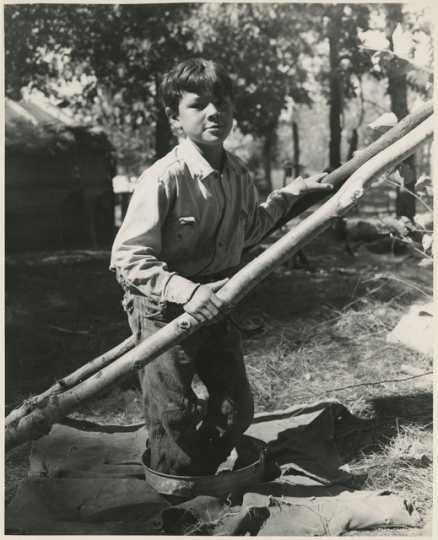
x=309 y=333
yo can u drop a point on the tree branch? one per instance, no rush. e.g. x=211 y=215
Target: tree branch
x=71 y=380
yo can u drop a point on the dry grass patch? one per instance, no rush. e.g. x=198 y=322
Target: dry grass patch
x=402 y=463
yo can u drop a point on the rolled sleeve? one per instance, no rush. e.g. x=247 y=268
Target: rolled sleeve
x=179 y=289
x=262 y=217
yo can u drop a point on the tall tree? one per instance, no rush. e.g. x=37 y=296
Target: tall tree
x=296 y=149
x=262 y=46
x=335 y=37
x=334 y=15
x=110 y=54
x=406 y=63
x=398 y=93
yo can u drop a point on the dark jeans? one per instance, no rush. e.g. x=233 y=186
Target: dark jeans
x=182 y=439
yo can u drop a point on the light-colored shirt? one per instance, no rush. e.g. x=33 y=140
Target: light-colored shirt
x=186 y=219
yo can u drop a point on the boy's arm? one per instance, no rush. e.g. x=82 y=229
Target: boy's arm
x=137 y=247
x=136 y=254
x=262 y=217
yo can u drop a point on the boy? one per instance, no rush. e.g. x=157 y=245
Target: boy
x=189 y=219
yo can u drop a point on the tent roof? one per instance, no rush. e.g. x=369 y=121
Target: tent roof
x=35 y=126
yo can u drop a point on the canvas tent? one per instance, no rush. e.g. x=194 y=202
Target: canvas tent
x=58 y=191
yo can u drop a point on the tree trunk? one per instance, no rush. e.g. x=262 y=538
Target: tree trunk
x=336 y=88
x=354 y=141
x=296 y=143
x=40 y=420
x=405 y=202
x=398 y=93
x=268 y=155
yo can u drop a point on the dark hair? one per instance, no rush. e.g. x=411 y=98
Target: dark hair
x=194 y=75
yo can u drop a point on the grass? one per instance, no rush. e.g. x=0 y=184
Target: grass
x=330 y=349
x=402 y=462
x=322 y=335
x=354 y=338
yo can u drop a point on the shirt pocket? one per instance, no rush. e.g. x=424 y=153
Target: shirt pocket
x=180 y=233
x=185 y=227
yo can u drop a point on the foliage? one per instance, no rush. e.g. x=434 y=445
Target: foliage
x=101 y=61
x=265 y=59
x=408 y=48
x=416 y=233
x=350 y=21
x=104 y=61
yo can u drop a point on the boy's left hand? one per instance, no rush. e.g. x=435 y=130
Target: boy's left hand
x=204 y=305
x=300 y=186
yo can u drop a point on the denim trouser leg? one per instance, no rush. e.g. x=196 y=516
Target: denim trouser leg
x=220 y=366
x=180 y=439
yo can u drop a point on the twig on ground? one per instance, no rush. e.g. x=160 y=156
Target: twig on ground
x=67 y=330
x=396 y=297
x=356 y=285
x=372 y=383
x=368 y=293
x=403 y=281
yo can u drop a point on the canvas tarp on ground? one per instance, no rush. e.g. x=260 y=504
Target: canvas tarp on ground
x=89 y=479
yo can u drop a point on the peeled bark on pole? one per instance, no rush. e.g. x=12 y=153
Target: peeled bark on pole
x=40 y=420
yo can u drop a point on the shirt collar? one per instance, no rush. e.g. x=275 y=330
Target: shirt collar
x=198 y=166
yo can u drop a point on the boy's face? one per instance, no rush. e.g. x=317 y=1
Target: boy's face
x=206 y=119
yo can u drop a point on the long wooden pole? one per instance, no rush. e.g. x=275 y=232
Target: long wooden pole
x=55 y=407
x=71 y=380
x=336 y=178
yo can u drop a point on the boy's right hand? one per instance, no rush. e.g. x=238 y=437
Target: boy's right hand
x=204 y=305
